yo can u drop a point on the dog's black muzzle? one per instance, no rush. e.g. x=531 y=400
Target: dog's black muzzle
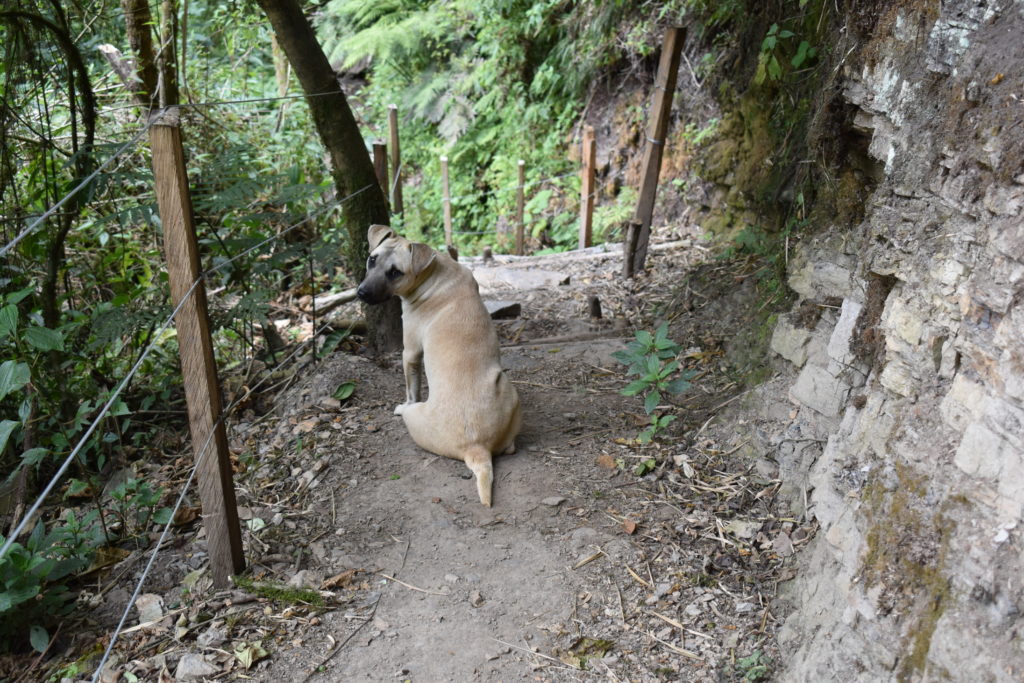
x=371 y=295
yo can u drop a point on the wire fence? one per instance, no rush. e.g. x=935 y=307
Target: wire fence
x=200 y=457
x=34 y=225
x=30 y=514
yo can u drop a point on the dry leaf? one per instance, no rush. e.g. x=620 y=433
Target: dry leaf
x=107 y=555
x=305 y=427
x=186 y=515
x=339 y=580
x=606 y=461
x=629 y=526
x=250 y=653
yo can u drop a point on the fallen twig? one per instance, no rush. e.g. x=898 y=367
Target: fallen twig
x=410 y=586
x=588 y=560
x=674 y=648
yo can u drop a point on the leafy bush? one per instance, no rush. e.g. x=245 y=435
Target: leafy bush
x=32 y=590
x=652 y=358
x=135 y=504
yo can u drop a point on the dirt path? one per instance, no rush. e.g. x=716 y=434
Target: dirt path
x=476 y=578
x=582 y=568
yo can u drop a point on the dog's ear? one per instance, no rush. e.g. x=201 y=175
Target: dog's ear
x=377 y=234
x=422 y=256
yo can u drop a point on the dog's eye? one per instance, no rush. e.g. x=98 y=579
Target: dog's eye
x=394 y=273
x=371 y=261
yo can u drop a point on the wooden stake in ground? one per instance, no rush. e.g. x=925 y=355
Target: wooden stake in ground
x=446 y=199
x=520 y=207
x=587 y=195
x=380 y=165
x=199 y=371
x=639 y=230
x=396 y=160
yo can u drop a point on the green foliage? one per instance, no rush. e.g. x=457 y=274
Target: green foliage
x=769 y=248
x=610 y=216
x=653 y=360
x=485 y=82
x=32 y=591
x=279 y=593
x=135 y=505
x=756 y=667
x=646 y=465
x=777 y=44
x=344 y=390
x=698 y=136
x=76 y=313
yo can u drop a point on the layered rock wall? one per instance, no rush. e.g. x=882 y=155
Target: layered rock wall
x=904 y=362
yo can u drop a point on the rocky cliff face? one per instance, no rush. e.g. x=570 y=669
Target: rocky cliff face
x=904 y=359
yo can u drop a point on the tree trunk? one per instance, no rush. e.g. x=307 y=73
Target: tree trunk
x=156 y=68
x=351 y=167
x=137 y=23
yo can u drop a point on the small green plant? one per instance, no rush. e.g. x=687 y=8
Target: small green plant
x=652 y=358
x=645 y=466
x=697 y=136
x=756 y=667
x=768 y=66
x=135 y=504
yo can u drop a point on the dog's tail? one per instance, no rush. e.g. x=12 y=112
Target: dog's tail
x=478 y=459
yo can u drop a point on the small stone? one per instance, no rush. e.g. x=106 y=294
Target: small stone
x=553 y=501
x=193 y=667
x=212 y=637
x=306 y=579
x=783 y=545
x=451 y=578
x=150 y=606
x=476 y=599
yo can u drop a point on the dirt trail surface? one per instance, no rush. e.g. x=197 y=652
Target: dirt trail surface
x=600 y=558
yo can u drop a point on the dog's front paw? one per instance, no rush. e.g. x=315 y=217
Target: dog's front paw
x=400 y=408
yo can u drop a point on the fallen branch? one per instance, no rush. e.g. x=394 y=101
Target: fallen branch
x=325 y=304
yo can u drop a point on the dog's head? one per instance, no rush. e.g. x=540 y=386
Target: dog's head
x=396 y=266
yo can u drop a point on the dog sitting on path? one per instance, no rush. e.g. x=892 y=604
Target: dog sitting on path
x=472 y=410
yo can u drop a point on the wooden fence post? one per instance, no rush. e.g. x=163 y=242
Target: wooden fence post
x=520 y=207
x=587 y=187
x=446 y=199
x=639 y=230
x=199 y=371
x=396 y=160
x=380 y=167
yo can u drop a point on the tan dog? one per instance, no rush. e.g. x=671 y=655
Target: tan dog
x=473 y=409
